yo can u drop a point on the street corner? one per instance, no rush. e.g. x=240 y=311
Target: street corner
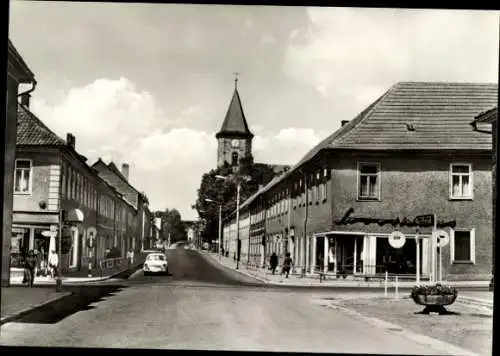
x=466 y=329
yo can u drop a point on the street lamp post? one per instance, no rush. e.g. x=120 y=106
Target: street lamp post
x=220 y=225
x=238 y=195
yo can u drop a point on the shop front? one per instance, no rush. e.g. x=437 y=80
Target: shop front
x=363 y=246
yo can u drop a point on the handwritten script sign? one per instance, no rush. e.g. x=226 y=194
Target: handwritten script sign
x=421 y=221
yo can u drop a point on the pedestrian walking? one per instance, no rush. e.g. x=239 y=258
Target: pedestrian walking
x=30 y=266
x=53 y=263
x=273 y=261
x=287 y=264
x=130 y=257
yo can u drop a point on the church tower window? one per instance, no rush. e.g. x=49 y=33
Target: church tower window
x=234 y=159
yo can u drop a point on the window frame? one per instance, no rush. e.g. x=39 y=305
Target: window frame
x=472 y=241
x=378 y=185
x=471 y=181
x=30 y=178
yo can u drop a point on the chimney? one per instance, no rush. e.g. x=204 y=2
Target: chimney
x=70 y=140
x=125 y=169
x=344 y=122
x=25 y=99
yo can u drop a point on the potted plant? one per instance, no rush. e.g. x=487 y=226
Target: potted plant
x=434 y=297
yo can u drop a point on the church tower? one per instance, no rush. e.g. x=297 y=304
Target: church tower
x=234 y=138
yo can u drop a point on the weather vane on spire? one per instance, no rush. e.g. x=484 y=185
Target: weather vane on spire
x=236 y=74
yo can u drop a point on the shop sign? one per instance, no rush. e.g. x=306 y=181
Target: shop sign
x=422 y=221
x=397 y=239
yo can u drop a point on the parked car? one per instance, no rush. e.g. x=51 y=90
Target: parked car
x=155 y=263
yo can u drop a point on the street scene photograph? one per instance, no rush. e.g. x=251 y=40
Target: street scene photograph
x=250 y=178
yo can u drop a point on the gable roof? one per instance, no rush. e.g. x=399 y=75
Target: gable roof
x=235 y=123
x=487 y=117
x=115 y=170
x=439 y=112
x=32 y=131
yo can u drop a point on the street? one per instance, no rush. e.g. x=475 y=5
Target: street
x=201 y=305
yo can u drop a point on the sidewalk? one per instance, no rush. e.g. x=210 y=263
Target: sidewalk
x=478 y=298
x=470 y=328
x=76 y=277
x=17 y=301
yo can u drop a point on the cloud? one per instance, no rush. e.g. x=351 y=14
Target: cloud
x=359 y=53
x=286 y=146
x=114 y=120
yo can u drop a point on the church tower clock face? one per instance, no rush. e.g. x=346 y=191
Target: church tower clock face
x=235 y=143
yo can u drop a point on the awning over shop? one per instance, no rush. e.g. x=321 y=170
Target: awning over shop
x=74 y=216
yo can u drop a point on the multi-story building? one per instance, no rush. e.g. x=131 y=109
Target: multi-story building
x=55 y=190
x=18 y=73
x=410 y=153
x=137 y=202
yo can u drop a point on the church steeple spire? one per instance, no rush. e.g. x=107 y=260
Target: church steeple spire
x=235 y=123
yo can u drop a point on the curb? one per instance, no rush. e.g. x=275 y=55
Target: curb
x=443 y=347
x=16 y=315
x=83 y=282
x=475 y=302
x=215 y=260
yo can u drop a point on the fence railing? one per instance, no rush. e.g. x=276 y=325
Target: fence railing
x=109 y=265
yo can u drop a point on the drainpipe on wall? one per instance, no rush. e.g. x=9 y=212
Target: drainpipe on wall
x=306 y=212
x=29 y=91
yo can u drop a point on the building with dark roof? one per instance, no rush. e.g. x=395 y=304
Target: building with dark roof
x=55 y=189
x=18 y=73
x=410 y=153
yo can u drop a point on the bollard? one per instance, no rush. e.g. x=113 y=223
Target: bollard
x=385 y=283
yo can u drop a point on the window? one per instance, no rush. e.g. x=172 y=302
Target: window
x=22 y=176
x=73 y=185
x=463 y=246
x=368 y=181
x=461 y=181
x=234 y=159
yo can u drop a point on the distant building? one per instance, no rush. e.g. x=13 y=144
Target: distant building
x=18 y=73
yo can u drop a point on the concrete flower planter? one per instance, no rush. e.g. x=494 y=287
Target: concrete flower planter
x=434 y=298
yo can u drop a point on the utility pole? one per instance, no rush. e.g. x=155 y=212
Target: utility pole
x=238 y=244
x=220 y=232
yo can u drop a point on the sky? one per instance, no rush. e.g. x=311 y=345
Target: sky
x=149 y=84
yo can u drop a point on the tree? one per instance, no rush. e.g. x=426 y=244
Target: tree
x=225 y=191
x=172 y=225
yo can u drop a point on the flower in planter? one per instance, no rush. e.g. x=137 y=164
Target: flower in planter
x=436 y=289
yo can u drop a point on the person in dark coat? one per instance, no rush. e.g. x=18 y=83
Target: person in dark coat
x=30 y=265
x=287 y=264
x=273 y=261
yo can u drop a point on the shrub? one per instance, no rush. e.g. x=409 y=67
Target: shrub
x=436 y=289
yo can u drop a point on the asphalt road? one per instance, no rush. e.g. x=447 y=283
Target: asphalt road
x=202 y=305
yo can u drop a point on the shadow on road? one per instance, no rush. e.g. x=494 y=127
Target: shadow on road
x=79 y=300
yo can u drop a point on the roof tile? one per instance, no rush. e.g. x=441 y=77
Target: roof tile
x=32 y=131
